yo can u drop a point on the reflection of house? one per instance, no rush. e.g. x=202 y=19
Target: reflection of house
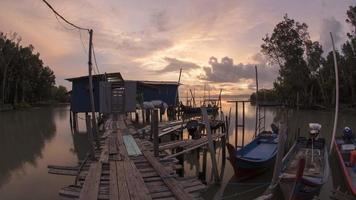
x=114 y=94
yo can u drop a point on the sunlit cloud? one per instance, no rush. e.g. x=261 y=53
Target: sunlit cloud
x=141 y=38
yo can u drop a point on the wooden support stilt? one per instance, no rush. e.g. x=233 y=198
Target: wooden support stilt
x=136 y=117
x=143 y=115
x=148 y=115
x=211 y=145
x=236 y=123
x=90 y=136
x=205 y=152
x=154 y=130
x=88 y=128
x=280 y=154
x=75 y=122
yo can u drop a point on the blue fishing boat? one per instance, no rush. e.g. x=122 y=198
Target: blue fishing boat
x=305 y=181
x=256 y=157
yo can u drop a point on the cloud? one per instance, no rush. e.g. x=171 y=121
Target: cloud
x=227 y=72
x=335 y=27
x=159 y=20
x=174 y=65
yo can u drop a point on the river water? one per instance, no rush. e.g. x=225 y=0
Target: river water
x=32 y=139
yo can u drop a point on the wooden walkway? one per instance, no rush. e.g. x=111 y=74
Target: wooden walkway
x=187 y=145
x=118 y=174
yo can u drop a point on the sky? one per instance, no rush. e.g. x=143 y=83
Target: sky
x=216 y=43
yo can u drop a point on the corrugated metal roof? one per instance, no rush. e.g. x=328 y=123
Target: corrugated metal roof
x=115 y=75
x=159 y=82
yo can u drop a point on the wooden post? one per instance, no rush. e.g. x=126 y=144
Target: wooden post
x=211 y=145
x=280 y=153
x=136 y=117
x=90 y=136
x=148 y=115
x=75 y=122
x=236 y=123
x=91 y=92
x=203 y=177
x=87 y=127
x=143 y=115
x=243 y=124
x=336 y=95
x=154 y=129
x=257 y=104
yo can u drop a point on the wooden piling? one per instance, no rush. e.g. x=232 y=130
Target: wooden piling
x=90 y=136
x=154 y=130
x=148 y=115
x=136 y=117
x=75 y=122
x=211 y=145
x=280 y=154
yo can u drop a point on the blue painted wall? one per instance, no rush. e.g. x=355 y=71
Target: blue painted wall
x=80 y=99
x=166 y=93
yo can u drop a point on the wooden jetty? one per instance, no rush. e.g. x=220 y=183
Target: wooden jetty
x=124 y=167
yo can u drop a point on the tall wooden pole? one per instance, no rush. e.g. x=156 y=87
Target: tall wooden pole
x=236 y=123
x=336 y=95
x=91 y=94
x=257 y=105
x=210 y=144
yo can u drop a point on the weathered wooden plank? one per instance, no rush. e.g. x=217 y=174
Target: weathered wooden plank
x=114 y=190
x=131 y=146
x=172 y=183
x=121 y=179
x=136 y=181
x=90 y=188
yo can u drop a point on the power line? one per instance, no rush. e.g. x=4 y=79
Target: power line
x=96 y=64
x=59 y=22
x=68 y=22
x=81 y=40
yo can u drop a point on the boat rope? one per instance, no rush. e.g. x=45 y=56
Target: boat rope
x=244 y=192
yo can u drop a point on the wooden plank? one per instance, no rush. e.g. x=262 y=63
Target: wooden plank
x=131 y=146
x=114 y=191
x=121 y=179
x=137 y=188
x=171 y=183
x=90 y=188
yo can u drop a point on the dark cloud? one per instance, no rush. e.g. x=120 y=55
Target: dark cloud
x=159 y=20
x=227 y=72
x=335 y=27
x=175 y=64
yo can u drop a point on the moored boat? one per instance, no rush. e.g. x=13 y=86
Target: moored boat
x=315 y=170
x=256 y=157
x=345 y=148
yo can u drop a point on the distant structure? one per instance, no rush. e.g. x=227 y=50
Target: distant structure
x=113 y=94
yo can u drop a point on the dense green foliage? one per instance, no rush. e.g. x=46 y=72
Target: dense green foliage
x=23 y=76
x=306 y=76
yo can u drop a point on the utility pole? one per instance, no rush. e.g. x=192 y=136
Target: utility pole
x=91 y=94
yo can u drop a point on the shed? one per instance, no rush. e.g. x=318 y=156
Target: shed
x=107 y=89
x=137 y=92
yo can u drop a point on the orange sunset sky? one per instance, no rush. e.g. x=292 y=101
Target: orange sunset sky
x=152 y=39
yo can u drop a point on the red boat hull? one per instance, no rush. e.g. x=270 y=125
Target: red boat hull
x=344 y=170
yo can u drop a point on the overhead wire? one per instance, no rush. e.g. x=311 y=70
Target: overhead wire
x=80 y=35
x=68 y=22
x=96 y=64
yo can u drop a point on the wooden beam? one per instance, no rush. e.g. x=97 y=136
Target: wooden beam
x=211 y=145
x=90 y=190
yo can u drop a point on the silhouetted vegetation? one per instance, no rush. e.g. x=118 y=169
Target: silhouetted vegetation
x=24 y=79
x=305 y=74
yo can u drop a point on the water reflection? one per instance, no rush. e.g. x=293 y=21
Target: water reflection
x=297 y=123
x=23 y=137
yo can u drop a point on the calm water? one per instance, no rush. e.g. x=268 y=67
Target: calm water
x=32 y=139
